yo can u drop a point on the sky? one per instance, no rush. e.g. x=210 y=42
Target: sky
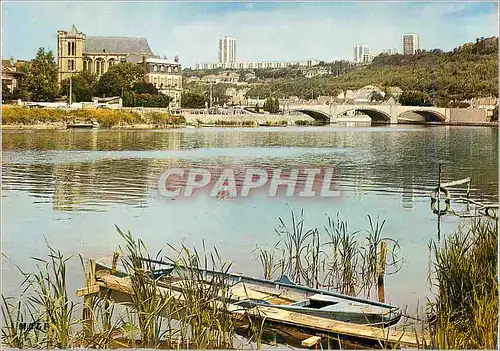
x=264 y=31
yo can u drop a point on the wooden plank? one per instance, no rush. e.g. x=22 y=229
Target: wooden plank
x=313 y=340
x=393 y=337
x=456 y=182
x=288 y=318
x=88 y=301
x=381 y=271
x=88 y=290
x=115 y=262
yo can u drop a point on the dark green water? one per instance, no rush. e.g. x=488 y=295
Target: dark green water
x=72 y=187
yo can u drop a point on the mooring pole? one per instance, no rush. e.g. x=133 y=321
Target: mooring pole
x=439 y=201
x=381 y=271
x=88 y=302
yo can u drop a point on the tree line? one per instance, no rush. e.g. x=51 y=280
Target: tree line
x=40 y=83
x=437 y=77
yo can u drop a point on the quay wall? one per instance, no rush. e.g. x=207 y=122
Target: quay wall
x=259 y=119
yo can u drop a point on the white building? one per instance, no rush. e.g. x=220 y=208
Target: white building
x=166 y=76
x=258 y=64
x=227 y=50
x=410 y=43
x=362 y=53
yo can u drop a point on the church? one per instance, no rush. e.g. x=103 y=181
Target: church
x=77 y=52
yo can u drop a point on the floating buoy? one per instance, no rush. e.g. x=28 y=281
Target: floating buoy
x=447 y=200
x=434 y=194
x=440 y=212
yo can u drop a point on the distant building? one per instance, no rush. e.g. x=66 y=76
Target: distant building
x=77 y=52
x=410 y=44
x=227 y=50
x=12 y=73
x=166 y=76
x=362 y=53
x=390 y=51
x=259 y=64
x=316 y=72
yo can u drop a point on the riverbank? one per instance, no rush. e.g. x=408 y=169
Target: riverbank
x=14 y=117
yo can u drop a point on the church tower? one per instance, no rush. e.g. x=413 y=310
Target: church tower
x=70 y=47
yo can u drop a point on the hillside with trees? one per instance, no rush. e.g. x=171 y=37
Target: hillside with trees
x=463 y=73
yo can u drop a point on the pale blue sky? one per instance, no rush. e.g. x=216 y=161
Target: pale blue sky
x=263 y=31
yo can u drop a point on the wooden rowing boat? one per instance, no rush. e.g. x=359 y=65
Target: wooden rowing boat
x=284 y=306
x=283 y=294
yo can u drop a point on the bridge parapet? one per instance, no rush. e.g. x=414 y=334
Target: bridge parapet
x=389 y=113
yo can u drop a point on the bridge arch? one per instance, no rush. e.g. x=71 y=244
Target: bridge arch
x=317 y=115
x=376 y=116
x=420 y=115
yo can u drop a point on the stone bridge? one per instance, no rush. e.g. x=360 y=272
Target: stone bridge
x=377 y=113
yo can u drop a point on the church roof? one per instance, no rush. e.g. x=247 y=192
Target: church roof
x=117 y=45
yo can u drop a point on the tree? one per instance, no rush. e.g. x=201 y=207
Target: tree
x=191 y=99
x=376 y=96
x=415 y=98
x=132 y=99
x=142 y=87
x=494 y=117
x=120 y=78
x=41 y=81
x=271 y=105
x=84 y=86
x=6 y=93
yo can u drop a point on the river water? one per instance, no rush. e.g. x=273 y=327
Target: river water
x=73 y=187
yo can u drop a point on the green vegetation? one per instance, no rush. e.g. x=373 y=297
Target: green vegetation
x=305 y=122
x=197 y=93
x=272 y=105
x=83 y=86
x=415 y=98
x=106 y=118
x=466 y=72
x=197 y=318
x=193 y=99
x=334 y=258
x=41 y=80
x=242 y=123
x=465 y=314
x=123 y=79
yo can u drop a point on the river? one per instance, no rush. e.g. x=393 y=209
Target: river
x=72 y=187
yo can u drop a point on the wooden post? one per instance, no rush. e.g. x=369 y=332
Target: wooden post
x=88 y=301
x=115 y=262
x=439 y=202
x=381 y=271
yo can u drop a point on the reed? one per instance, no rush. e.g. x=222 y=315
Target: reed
x=464 y=314
x=106 y=118
x=203 y=306
x=333 y=258
x=19 y=327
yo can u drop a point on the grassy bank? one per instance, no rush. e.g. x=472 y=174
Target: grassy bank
x=465 y=312
x=106 y=118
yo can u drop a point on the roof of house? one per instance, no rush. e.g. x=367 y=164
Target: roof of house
x=118 y=45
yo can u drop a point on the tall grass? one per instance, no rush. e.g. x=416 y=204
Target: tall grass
x=45 y=300
x=106 y=118
x=465 y=311
x=204 y=306
x=333 y=258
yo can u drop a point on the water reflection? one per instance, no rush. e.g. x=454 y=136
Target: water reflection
x=94 y=169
